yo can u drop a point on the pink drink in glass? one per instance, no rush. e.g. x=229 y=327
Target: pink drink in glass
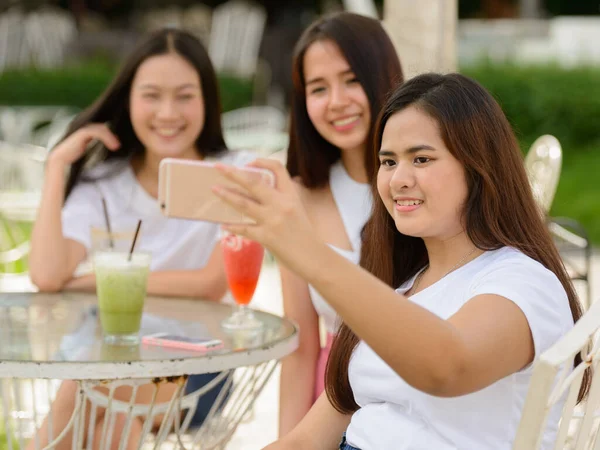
x=243 y=261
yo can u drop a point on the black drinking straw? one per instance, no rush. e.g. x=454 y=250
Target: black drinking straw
x=137 y=230
x=111 y=243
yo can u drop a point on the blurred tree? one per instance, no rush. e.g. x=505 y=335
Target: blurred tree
x=572 y=8
x=469 y=8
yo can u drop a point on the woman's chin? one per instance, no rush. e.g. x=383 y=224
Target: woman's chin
x=174 y=151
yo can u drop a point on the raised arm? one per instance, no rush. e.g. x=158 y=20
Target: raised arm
x=486 y=340
x=53 y=259
x=447 y=357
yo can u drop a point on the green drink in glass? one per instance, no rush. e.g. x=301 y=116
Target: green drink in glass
x=121 y=288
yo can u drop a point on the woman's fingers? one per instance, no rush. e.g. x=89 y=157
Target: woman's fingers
x=102 y=133
x=253 y=182
x=282 y=177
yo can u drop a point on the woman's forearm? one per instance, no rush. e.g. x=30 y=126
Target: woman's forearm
x=175 y=283
x=297 y=387
x=49 y=264
x=201 y=283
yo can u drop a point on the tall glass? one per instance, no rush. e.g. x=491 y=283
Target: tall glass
x=121 y=288
x=243 y=261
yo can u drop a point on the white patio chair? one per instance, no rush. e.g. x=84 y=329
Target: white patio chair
x=543 y=164
x=236 y=33
x=31 y=124
x=11 y=38
x=258 y=128
x=21 y=180
x=577 y=430
x=49 y=135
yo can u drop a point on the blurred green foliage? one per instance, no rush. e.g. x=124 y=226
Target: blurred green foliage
x=565 y=103
x=546 y=100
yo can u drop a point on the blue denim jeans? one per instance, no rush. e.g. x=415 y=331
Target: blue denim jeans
x=345 y=446
x=206 y=400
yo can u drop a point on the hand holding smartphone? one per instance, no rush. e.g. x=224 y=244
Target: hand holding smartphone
x=182 y=342
x=185 y=191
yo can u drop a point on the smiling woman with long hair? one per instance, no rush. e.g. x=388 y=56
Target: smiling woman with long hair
x=461 y=287
x=163 y=102
x=343 y=67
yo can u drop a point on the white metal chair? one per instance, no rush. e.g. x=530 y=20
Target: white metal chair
x=10 y=38
x=39 y=38
x=32 y=124
x=21 y=180
x=47 y=31
x=236 y=33
x=577 y=429
x=258 y=128
x=49 y=135
x=543 y=164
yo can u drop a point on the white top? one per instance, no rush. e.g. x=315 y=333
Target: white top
x=175 y=244
x=394 y=415
x=354 y=202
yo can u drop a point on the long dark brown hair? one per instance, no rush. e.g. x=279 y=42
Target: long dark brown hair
x=477 y=133
x=112 y=106
x=373 y=59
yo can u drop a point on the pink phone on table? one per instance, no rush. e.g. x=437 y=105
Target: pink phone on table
x=182 y=342
x=185 y=190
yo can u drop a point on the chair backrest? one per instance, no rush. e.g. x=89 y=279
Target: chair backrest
x=258 y=128
x=235 y=36
x=21 y=179
x=31 y=124
x=252 y=118
x=576 y=425
x=543 y=164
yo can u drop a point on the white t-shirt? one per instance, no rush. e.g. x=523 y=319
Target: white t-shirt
x=175 y=244
x=394 y=415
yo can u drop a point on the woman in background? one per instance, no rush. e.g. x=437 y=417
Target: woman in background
x=343 y=67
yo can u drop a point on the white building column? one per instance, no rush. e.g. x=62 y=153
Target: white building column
x=424 y=33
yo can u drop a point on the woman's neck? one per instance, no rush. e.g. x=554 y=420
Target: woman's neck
x=145 y=167
x=447 y=255
x=354 y=163
x=146 y=174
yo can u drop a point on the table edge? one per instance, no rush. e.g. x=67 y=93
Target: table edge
x=98 y=370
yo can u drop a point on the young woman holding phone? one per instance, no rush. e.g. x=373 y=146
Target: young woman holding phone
x=456 y=296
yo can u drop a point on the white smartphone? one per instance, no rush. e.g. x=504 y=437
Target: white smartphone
x=182 y=342
x=185 y=190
